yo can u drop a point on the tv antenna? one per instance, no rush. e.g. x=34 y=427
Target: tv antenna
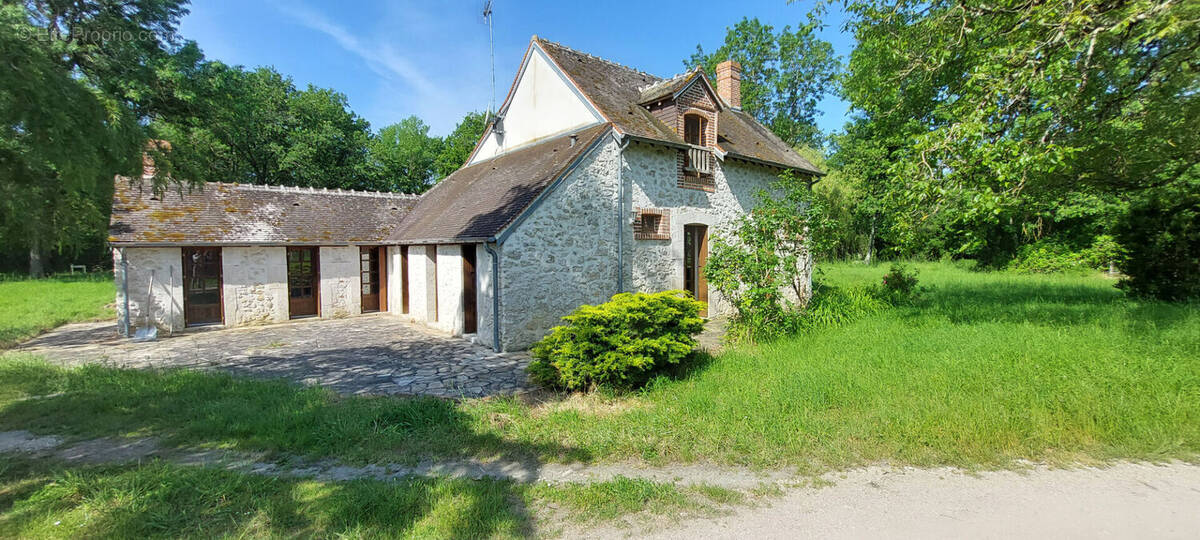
x=487 y=16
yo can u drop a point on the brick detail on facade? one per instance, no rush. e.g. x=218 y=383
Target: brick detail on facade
x=692 y=180
x=652 y=224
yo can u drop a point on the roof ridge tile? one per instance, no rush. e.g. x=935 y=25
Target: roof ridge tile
x=592 y=56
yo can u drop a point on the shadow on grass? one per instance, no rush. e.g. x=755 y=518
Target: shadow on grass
x=1048 y=304
x=41 y=498
x=189 y=408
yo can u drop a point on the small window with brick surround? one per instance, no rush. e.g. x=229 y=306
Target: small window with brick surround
x=694 y=128
x=652 y=224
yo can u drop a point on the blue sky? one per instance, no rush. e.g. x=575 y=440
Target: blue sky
x=398 y=58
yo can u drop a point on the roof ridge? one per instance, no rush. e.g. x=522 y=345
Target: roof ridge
x=590 y=55
x=322 y=191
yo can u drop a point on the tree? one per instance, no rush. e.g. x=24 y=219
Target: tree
x=76 y=83
x=986 y=118
x=763 y=266
x=256 y=127
x=784 y=75
x=458 y=145
x=406 y=155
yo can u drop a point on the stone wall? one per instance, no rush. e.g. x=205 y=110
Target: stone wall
x=651 y=173
x=483 y=297
x=340 y=293
x=563 y=254
x=419 y=308
x=395 y=287
x=166 y=264
x=449 y=289
x=254 y=285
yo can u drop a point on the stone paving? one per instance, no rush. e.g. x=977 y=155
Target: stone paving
x=369 y=354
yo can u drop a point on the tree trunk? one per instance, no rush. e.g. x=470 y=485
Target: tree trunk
x=870 y=243
x=35 y=258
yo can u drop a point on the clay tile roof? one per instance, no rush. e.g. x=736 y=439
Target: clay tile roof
x=478 y=201
x=239 y=214
x=618 y=92
x=666 y=87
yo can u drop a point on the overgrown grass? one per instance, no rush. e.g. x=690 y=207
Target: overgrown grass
x=987 y=369
x=44 y=499
x=29 y=307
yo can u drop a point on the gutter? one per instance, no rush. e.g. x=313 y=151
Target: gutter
x=621 y=210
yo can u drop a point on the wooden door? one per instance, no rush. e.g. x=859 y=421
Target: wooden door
x=368 y=267
x=404 y=279
x=695 y=255
x=383 y=278
x=202 y=286
x=303 y=281
x=470 y=323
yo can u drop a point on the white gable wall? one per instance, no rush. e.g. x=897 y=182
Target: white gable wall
x=542 y=104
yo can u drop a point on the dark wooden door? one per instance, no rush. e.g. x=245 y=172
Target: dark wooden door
x=404 y=279
x=303 y=281
x=368 y=267
x=383 y=277
x=202 y=286
x=695 y=254
x=469 y=309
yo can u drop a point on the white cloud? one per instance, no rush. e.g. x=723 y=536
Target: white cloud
x=380 y=57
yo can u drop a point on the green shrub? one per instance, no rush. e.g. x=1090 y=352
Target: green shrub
x=619 y=343
x=1161 y=235
x=899 y=285
x=1049 y=255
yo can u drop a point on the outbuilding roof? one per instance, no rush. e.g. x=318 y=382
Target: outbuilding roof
x=241 y=214
x=476 y=202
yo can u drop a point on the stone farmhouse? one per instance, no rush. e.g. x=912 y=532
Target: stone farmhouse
x=593 y=178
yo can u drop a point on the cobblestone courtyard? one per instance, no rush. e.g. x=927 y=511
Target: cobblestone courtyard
x=373 y=354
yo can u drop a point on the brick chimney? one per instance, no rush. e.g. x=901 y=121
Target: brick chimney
x=729 y=83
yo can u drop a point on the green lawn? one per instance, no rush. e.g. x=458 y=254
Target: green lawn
x=989 y=369
x=43 y=499
x=30 y=307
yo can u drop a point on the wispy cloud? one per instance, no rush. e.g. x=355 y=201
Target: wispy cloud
x=382 y=58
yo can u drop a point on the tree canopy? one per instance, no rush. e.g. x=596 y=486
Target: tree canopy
x=785 y=73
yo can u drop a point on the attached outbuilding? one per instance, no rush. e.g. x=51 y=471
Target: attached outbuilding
x=233 y=254
x=592 y=179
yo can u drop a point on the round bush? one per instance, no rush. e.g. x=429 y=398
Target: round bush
x=619 y=343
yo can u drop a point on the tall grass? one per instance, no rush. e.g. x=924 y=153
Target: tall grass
x=988 y=368
x=31 y=306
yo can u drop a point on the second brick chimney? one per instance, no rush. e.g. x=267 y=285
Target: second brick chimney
x=729 y=83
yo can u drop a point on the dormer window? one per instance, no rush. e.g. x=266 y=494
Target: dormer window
x=694 y=127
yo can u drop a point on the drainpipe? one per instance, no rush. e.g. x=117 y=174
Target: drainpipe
x=487 y=246
x=620 y=212
x=125 y=289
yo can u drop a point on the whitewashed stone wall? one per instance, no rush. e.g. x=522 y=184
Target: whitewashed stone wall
x=563 y=254
x=449 y=289
x=340 y=293
x=395 y=287
x=657 y=265
x=420 y=308
x=483 y=295
x=167 y=266
x=254 y=285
